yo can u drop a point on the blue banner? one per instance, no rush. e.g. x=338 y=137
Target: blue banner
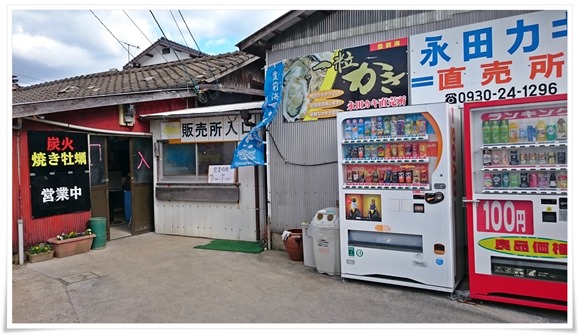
x=250 y=151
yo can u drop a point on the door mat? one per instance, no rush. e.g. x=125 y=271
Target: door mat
x=233 y=246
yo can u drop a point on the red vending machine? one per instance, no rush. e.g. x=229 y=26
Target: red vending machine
x=516 y=200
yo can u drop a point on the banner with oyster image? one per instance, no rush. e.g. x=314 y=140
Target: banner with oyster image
x=250 y=151
x=366 y=77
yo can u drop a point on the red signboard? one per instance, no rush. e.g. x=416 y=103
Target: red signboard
x=515 y=217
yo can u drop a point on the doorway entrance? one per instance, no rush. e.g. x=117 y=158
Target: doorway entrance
x=122 y=183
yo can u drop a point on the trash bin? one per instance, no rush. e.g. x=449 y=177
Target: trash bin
x=127 y=204
x=307 y=245
x=98 y=226
x=325 y=233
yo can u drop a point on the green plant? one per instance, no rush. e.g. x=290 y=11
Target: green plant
x=74 y=234
x=39 y=248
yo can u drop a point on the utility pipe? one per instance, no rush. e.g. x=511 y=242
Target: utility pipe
x=84 y=128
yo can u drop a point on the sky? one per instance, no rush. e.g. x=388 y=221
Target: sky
x=52 y=44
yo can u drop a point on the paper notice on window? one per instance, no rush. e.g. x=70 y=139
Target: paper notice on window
x=221 y=174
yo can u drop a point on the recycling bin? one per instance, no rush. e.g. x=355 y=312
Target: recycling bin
x=325 y=233
x=98 y=226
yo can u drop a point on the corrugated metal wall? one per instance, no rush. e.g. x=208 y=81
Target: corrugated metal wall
x=303 y=169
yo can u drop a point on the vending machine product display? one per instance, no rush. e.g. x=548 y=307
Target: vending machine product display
x=400 y=196
x=516 y=200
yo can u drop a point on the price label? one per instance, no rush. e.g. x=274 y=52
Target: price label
x=515 y=217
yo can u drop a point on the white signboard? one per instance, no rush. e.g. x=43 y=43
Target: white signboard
x=213 y=129
x=515 y=57
x=221 y=174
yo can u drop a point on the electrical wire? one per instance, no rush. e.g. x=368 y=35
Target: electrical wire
x=215 y=95
x=159 y=52
x=200 y=95
x=183 y=37
x=112 y=34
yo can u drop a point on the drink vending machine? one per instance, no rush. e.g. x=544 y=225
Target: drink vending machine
x=400 y=187
x=516 y=200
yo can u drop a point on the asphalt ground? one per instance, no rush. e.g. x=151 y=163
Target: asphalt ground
x=154 y=281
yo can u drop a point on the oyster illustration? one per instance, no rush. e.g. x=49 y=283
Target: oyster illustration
x=294 y=102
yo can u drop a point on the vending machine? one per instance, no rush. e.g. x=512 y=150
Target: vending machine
x=400 y=187
x=516 y=200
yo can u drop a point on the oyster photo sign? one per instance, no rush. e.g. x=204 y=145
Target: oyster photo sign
x=250 y=151
x=365 y=77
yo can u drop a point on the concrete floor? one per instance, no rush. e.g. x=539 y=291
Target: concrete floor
x=161 y=279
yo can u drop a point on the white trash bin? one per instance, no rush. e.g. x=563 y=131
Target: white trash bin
x=307 y=245
x=325 y=232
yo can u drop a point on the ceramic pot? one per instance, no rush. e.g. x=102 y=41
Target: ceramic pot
x=293 y=245
x=37 y=257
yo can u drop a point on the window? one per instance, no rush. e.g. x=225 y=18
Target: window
x=189 y=162
x=165 y=51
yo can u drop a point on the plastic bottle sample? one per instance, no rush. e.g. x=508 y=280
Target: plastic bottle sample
x=347 y=129
x=486 y=132
x=523 y=131
x=551 y=132
x=513 y=131
x=354 y=129
x=541 y=131
x=494 y=132
x=504 y=134
x=561 y=129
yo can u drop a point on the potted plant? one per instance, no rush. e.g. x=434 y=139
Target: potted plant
x=72 y=243
x=40 y=252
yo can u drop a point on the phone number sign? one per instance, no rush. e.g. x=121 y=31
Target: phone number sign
x=514 y=57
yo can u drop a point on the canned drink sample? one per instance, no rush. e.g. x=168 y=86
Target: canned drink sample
x=373 y=151
x=514 y=158
x=424 y=176
x=487 y=157
x=543 y=181
x=504 y=157
x=505 y=180
x=367 y=151
x=532 y=158
x=402 y=176
x=408 y=150
x=422 y=149
x=394 y=150
x=524 y=180
x=408 y=176
x=561 y=158
x=401 y=151
x=496 y=180
x=562 y=180
x=533 y=180
x=551 y=157
x=416 y=176
x=487 y=180
x=523 y=158
x=495 y=157
x=514 y=180
x=542 y=158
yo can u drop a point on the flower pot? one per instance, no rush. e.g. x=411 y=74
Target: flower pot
x=71 y=246
x=293 y=245
x=42 y=256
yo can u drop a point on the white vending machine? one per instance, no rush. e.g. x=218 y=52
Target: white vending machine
x=400 y=186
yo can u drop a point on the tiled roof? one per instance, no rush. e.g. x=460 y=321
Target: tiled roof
x=167 y=43
x=158 y=77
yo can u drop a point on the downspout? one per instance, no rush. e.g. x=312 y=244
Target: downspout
x=20 y=219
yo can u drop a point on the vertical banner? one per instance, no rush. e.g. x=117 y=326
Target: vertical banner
x=250 y=151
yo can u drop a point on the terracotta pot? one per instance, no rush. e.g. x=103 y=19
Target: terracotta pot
x=293 y=245
x=71 y=246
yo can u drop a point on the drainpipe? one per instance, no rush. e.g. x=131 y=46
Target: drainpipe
x=20 y=219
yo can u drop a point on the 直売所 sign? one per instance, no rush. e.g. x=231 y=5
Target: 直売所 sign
x=514 y=57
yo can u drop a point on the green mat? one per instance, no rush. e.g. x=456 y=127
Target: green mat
x=232 y=245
